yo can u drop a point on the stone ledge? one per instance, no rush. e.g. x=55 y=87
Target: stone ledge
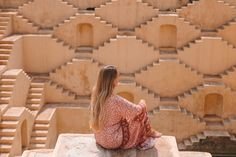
x=81 y=145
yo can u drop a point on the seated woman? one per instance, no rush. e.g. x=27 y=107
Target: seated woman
x=116 y=122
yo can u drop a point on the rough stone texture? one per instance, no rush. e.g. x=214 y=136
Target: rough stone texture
x=78 y=145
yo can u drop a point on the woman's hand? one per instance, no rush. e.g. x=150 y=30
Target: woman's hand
x=142 y=101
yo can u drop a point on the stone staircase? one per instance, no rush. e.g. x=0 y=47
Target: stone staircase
x=5 y=18
x=203 y=135
x=62 y=42
x=174 y=107
x=168 y=101
x=41 y=129
x=61 y=67
x=150 y=7
x=39 y=134
x=192 y=115
x=7 y=83
x=146 y=90
x=35 y=98
x=157 y=62
x=229 y=120
x=28 y=21
x=82 y=100
x=201 y=86
x=8 y=127
x=6 y=48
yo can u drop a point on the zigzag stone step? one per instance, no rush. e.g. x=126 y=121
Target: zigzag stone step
x=6 y=87
x=40 y=126
x=7 y=132
x=6 y=139
x=37 y=146
x=13 y=113
x=39 y=133
x=38 y=140
x=8 y=124
x=5 y=148
x=203 y=135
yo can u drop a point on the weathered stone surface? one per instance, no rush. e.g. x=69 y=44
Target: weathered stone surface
x=80 y=145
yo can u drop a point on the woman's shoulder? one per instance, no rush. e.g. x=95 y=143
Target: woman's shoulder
x=115 y=98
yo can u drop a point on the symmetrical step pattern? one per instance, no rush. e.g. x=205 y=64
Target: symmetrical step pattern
x=202 y=136
x=6 y=48
x=7 y=83
x=35 y=96
x=8 y=127
x=4 y=22
x=39 y=134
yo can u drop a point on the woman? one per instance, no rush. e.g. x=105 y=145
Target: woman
x=116 y=122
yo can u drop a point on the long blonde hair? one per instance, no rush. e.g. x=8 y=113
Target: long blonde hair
x=102 y=90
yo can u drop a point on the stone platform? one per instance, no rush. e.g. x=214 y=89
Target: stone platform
x=83 y=145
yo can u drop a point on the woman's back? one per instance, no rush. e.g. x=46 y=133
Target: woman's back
x=117 y=109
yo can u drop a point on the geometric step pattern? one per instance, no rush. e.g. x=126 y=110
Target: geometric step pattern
x=93 y=26
x=215 y=55
x=163 y=83
x=39 y=134
x=65 y=95
x=165 y=30
x=167 y=4
x=77 y=75
x=121 y=8
x=177 y=119
x=39 y=13
x=130 y=48
x=8 y=126
x=202 y=136
x=219 y=13
x=5 y=51
x=7 y=83
x=88 y=4
x=35 y=96
x=4 y=23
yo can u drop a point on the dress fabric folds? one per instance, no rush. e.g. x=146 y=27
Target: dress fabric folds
x=126 y=124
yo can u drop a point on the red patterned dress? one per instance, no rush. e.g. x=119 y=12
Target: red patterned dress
x=126 y=124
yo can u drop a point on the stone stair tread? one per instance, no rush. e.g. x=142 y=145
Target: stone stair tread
x=216 y=133
x=7 y=86
x=13 y=113
x=41 y=125
x=40 y=132
x=201 y=136
x=214 y=123
x=3 y=108
x=6 y=138
x=5 y=146
x=169 y=107
x=36 y=145
x=13 y=73
x=9 y=122
x=39 y=138
x=7 y=131
x=194 y=139
x=187 y=142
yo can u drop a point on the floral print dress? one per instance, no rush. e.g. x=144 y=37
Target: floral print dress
x=126 y=124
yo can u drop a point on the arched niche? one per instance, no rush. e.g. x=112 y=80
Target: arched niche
x=213 y=104
x=84 y=35
x=168 y=36
x=127 y=95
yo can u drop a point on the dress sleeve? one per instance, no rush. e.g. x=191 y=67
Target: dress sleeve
x=130 y=110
